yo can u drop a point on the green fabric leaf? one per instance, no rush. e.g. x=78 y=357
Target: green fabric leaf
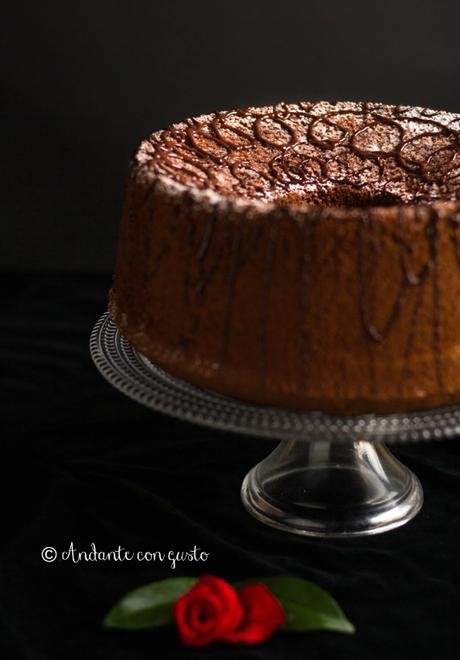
x=149 y=606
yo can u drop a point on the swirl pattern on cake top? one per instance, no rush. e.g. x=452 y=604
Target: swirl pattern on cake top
x=314 y=153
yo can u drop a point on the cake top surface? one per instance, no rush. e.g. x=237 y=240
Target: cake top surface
x=343 y=154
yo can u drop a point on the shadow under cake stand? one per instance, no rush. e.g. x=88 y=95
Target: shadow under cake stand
x=329 y=476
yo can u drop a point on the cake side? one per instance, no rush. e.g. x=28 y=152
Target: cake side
x=313 y=311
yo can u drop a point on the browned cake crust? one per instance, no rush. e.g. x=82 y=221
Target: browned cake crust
x=305 y=256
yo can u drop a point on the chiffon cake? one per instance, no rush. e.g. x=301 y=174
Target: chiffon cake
x=301 y=256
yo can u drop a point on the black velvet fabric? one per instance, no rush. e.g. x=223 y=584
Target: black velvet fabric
x=82 y=463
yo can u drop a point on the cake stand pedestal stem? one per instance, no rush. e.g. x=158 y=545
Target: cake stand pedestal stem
x=330 y=489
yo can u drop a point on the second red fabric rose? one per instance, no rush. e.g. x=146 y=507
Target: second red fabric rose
x=263 y=615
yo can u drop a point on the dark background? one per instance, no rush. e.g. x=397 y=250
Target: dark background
x=85 y=81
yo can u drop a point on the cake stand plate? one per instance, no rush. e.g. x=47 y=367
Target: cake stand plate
x=329 y=476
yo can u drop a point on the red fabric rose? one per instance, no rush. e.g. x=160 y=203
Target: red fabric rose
x=263 y=615
x=208 y=612
x=213 y=611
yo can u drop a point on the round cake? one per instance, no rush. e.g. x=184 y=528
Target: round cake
x=299 y=255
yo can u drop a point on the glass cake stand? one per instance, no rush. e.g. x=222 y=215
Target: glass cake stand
x=329 y=476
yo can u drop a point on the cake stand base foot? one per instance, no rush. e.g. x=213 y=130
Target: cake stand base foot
x=332 y=489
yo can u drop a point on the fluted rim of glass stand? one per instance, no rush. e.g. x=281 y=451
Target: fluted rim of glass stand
x=145 y=382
